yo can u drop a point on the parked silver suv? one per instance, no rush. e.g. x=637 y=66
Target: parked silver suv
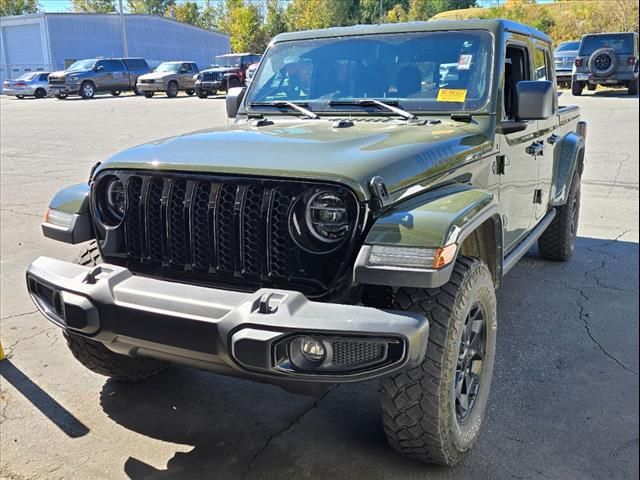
x=606 y=59
x=170 y=78
x=564 y=57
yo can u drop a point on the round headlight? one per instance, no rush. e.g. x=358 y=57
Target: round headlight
x=327 y=217
x=111 y=200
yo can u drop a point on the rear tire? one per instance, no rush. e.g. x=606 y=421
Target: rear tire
x=433 y=412
x=201 y=93
x=116 y=93
x=558 y=241
x=148 y=94
x=172 y=89
x=189 y=91
x=633 y=87
x=40 y=93
x=576 y=88
x=98 y=358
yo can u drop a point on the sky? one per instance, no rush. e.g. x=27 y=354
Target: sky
x=64 y=5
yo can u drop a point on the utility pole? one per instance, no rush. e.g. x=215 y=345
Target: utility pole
x=123 y=32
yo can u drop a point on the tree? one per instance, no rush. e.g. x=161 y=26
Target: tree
x=150 y=7
x=210 y=16
x=18 y=7
x=396 y=14
x=312 y=14
x=274 y=20
x=425 y=9
x=370 y=9
x=187 y=12
x=93 y=6
x=245 y=28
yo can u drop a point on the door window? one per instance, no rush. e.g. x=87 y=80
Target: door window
x=113 y=66
x=516 y=69
x=187 y=68
x=541 y=65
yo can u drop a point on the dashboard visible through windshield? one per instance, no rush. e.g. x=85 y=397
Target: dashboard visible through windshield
x=426 y=71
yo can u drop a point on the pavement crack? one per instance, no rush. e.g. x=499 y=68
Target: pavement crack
x=288 y=427
x=10 y=348
x=16 y=212
x=16 y=315
x=583 y=317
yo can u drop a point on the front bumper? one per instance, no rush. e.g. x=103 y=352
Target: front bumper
x=64 y=89
x=151 y=87
x=563 y=75
x=247 y=334
x=209 y=86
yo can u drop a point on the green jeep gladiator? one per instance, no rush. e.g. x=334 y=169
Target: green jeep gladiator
x=352 y=223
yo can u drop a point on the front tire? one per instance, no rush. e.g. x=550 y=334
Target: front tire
x=558 y=242
x=189 y=91
x=172 y=89
x=116 y=93
x=98 y=358
x=576 y=88
x=433 y=412
x=40 y=93
x=87 y=90
x=148 y=94
x=201 y=93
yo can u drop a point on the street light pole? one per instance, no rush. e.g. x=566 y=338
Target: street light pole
x=123 y=31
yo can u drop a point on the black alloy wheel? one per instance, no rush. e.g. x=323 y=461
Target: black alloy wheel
x=471 y=355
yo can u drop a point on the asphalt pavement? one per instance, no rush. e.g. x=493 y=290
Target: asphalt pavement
x=564 y=400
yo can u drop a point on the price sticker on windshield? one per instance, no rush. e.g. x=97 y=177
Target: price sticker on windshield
x=464 y=62
x=451 y=95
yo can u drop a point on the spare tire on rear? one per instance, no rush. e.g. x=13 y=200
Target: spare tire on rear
x=603 y=62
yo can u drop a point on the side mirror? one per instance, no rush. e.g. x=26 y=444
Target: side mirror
x=98 y=68
x=534 y=100
x=234 y=99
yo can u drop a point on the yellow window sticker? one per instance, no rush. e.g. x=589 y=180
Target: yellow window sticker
x=451 y=95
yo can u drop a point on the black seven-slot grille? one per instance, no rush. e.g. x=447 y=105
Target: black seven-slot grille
x=211 y=76
x=223 y=230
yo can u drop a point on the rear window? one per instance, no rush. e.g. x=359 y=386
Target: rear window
x=621 y=43
x=564 y=47
x=136 y=63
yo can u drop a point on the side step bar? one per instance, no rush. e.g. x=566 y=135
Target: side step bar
x=524 y=246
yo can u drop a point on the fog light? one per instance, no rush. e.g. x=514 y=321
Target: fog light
x=311 y=349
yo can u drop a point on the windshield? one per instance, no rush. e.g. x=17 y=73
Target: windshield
x=227 y=61
x=82 y=65
x=168 y=67
x=427 y=71
x=622 y=43
x=27 y=76
x=563 y=47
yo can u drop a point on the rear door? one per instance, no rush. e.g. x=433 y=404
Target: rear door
x=517 y=167
x=185 y=76
x=547 y=129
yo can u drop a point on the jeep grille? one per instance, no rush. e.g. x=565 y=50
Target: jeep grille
x=224 y=231
x=211 y=76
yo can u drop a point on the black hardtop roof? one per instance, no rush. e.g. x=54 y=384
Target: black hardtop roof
x=494 y=25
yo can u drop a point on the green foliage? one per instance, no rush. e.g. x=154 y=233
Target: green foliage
x=313 y=14
x=245 y=28
x=150 y=7
x=17 y=7
x=425 y=9
x=187 y=12
x=93 y=6
x=274 y=21
x=210 y=15
x=370 y=9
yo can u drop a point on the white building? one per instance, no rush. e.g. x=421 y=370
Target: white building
x=51 y=41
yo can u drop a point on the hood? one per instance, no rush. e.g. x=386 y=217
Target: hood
x=58 y=74
x=402 y=154
x=156 y=75
x=220 y=69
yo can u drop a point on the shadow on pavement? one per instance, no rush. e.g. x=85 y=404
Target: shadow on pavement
x=550 y=342
x=61 y=417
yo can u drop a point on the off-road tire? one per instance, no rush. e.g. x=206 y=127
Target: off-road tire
x=148 y=94
x=189 y=91
x=419 y=411
x=558 y=241
x=233 y=82
x=576 y=88
x=172 y=89
x=40 y=93
x=632 y=89
x=86 y=92
x=201 y=93
x=98 y=358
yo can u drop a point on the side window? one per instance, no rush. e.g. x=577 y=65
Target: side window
x=101 y=63
x=186 y=67
x=516 y=69
x=44 y=77
x=541 y=65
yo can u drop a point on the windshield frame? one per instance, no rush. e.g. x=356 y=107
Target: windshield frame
x=484 y=109
x=84 y=62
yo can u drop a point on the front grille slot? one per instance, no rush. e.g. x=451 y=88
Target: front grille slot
x=211 y=76
x=221 y=230
x=349 y=352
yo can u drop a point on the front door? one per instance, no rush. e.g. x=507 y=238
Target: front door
x=519 y=168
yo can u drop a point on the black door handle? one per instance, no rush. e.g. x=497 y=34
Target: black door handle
x=536 y=148
x=552 y=139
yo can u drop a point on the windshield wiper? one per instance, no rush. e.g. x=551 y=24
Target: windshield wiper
x=369 y=102
x=286 y=104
